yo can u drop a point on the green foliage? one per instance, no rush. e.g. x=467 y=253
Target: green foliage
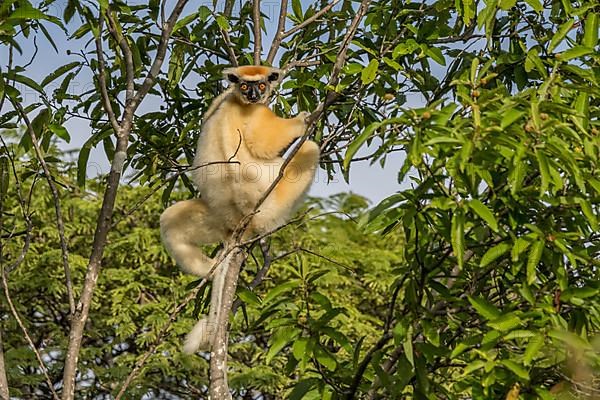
x=478 y=278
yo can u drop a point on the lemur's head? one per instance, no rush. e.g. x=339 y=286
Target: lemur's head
x=253 y=83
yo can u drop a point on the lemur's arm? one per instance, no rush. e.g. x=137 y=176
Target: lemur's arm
x=267 y=135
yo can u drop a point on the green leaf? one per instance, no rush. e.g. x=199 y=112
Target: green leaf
x=510 y=116
x=560 y=34
x=544 y=171
x=436 y=55
x=575 y=52
x=299 y=349
x=519 y=246
x=278 y=290
x=297 y=8
x=473 y=366
x=516 y=369
x=536 y=5
x=248 y=296
x=571 y=339
x=60 y=131
x=588 y=211
x=484 y=308
x=590 y=36
x=484 y=213
x=185 y=21
x=533 y=348
x=534 y=259
x=506 y=322
x=223 y=23
x=279 y=340
x=325 y=359
x=494 y=253
x=25 y=81
x=468 y=10
x=203 y=13
x=457 y=235
x=26 y=11
x=369 y=73
x=302 y=388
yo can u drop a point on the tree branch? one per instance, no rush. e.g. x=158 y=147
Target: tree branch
x=124 y=45
x=104 y=218
x=4 y=393
x=159 y=338
x=38 y=356
x=218 y=365
x=229 y=47
x=57 y=208
x=219 y=387
x=310 y=20
x=276 y=43
x=102 y=78
x=257 y=32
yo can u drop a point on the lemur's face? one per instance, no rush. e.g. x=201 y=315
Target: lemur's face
x=253 y=83
x=254 y=91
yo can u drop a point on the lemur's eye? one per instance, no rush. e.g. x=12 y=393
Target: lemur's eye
x=262 y=87
x=244 y=87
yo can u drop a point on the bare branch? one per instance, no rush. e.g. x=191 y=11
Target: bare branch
x=4 y=393
x=38 y=356
x=24 y=211
x=310 y=20
x=102 y=78
x=106 y=212
x=57 y=208
x=219 y=388
x=128 y=56
x=229 y=47
x=257 y=32
x=279 y=34
x=156 y=64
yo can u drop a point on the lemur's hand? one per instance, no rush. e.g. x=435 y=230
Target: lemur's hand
x=303 y=116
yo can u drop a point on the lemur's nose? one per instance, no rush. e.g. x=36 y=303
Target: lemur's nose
x=254 y=94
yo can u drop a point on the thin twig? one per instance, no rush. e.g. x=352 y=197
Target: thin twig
x=310 y=20
x=15 y=314
x=229 y=47
x=360 y=371
x=102 y=78
x=24 y=211
x=159 y=337
x=124 y=45
x=57 y=208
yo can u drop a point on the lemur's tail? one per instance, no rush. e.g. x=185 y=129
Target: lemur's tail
x=201 y=336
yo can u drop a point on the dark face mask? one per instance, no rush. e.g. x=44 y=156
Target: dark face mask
x=253 y=91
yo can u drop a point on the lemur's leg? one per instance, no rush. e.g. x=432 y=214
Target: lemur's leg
x=290 y=191
x=268 y=135
x=183 y=227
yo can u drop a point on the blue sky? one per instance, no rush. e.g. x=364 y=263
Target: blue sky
x=370 y=181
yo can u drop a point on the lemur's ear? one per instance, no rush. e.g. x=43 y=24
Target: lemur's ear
x=274 y=75
x=231 y=75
